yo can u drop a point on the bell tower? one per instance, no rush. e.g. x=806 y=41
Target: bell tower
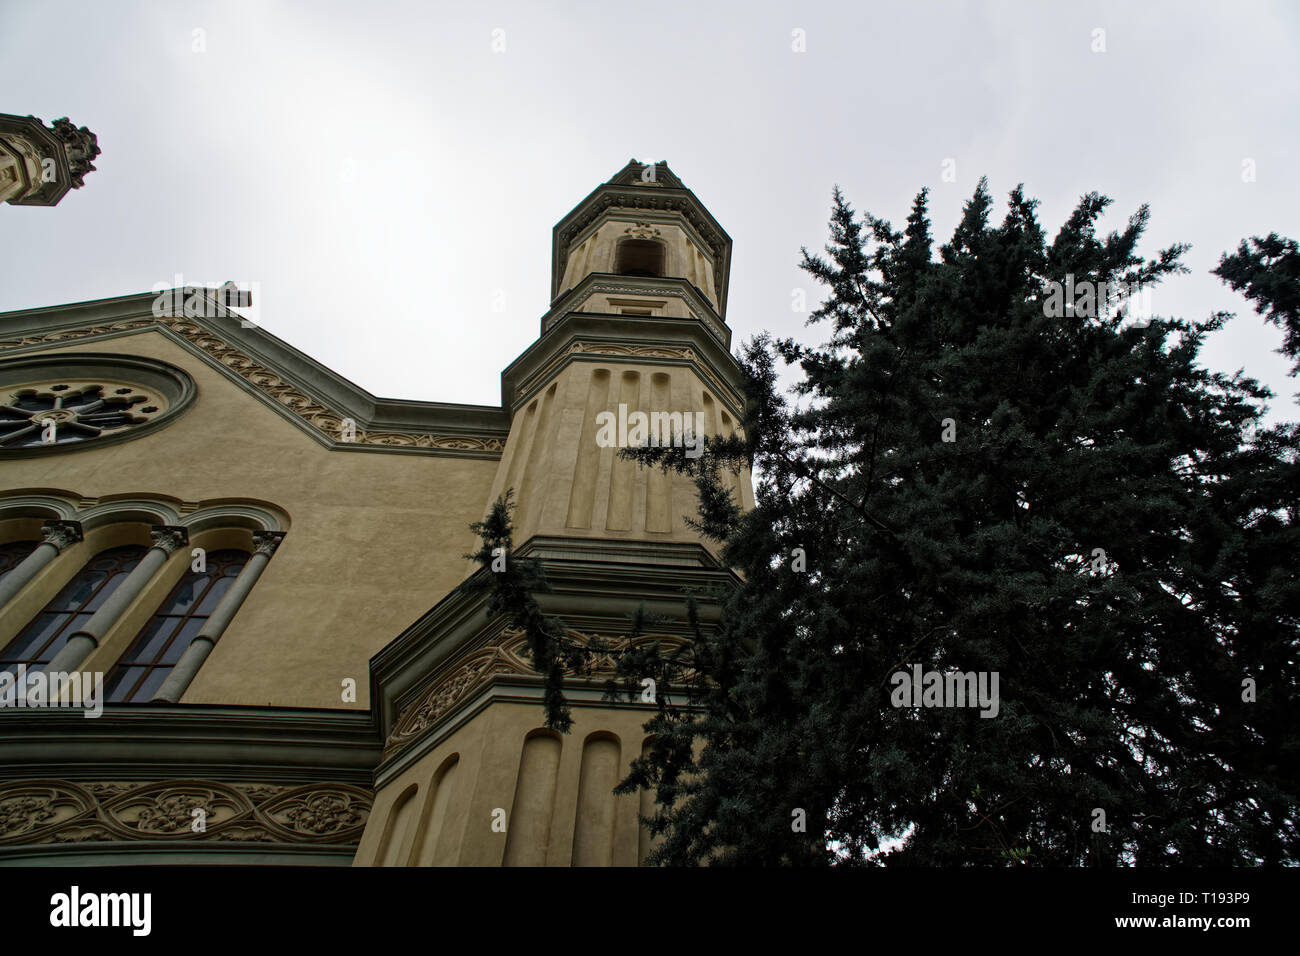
x=635 y=338
x=642 y=224
x=636 y=327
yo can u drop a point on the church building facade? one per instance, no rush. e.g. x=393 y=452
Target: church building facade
x=230 y=622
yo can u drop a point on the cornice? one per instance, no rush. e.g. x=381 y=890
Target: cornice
x=300 y=388
x=508 y=655
x=447 y=655
x=594 y=336
x=498 y=671
x=667 y=286
x=145 y=742
x=498 y=689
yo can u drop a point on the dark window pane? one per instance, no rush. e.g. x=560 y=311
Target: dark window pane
x=151 y=684
x=34 y=636
x=156 y=632
x=81 y=589
x=56 y=645
x=120 y=683
x=107 y=588
x=210 y=600
x=182 y=641
x=30 y=642
x=180 y=618
x=187 y=592
x=13 y=554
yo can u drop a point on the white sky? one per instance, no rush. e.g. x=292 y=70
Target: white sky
x=380 y=172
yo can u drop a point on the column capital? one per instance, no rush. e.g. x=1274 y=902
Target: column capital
x=265 y=542
x=167 y=538
x=61 y=534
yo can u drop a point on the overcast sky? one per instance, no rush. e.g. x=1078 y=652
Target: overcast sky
x=384 y=171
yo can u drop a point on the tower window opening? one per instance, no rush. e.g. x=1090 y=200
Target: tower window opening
x=640 y=257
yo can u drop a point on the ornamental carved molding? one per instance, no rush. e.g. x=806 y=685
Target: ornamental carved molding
x=81 y=145
x=61 y=811
x=633 y=351
x=698 y=308
x=476 y=670
x=655 y=351
x=323 y=419
x=61 y=534
x=168 y=539
x=266 y=542
x=642 y=230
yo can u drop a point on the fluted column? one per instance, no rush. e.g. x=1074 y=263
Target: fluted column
x=58 y=535
x=166 y=539
x=264 y=545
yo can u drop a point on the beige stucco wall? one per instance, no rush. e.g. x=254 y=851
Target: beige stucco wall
x=566 y=484
x=548 y=793
x=375 y=539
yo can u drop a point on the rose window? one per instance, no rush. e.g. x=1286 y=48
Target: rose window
x=58 y=413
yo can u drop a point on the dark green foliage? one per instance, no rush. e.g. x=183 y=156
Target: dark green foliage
x=1269 y=271
x=1120 y=674
x=1120 y=685
x=511 y=583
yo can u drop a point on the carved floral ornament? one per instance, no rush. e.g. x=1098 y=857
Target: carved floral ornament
x=656 y=351
x=324 y=419
x=477 y=668
x=81 y=145
x=642 y=230
x=60 y=811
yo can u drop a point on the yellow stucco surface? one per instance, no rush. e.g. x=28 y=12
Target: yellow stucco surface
x=375 y=538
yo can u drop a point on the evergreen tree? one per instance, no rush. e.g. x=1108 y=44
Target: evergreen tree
x=995 y=472
x=1268 y=270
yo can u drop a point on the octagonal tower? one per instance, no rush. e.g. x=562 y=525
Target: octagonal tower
x=635 y=331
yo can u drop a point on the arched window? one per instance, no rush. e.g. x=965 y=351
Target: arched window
x=157 y=648
x=12 y=555
x=640 y=257
x=72 y=607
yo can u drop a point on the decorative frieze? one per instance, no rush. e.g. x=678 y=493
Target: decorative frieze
x=655 y=351
x=61 y=811
x=695 y=306
x=510 y=656
x=325 y=420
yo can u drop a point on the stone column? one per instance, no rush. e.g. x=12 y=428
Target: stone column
x=166 y=539
x=58 y=535
x=264 y=545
